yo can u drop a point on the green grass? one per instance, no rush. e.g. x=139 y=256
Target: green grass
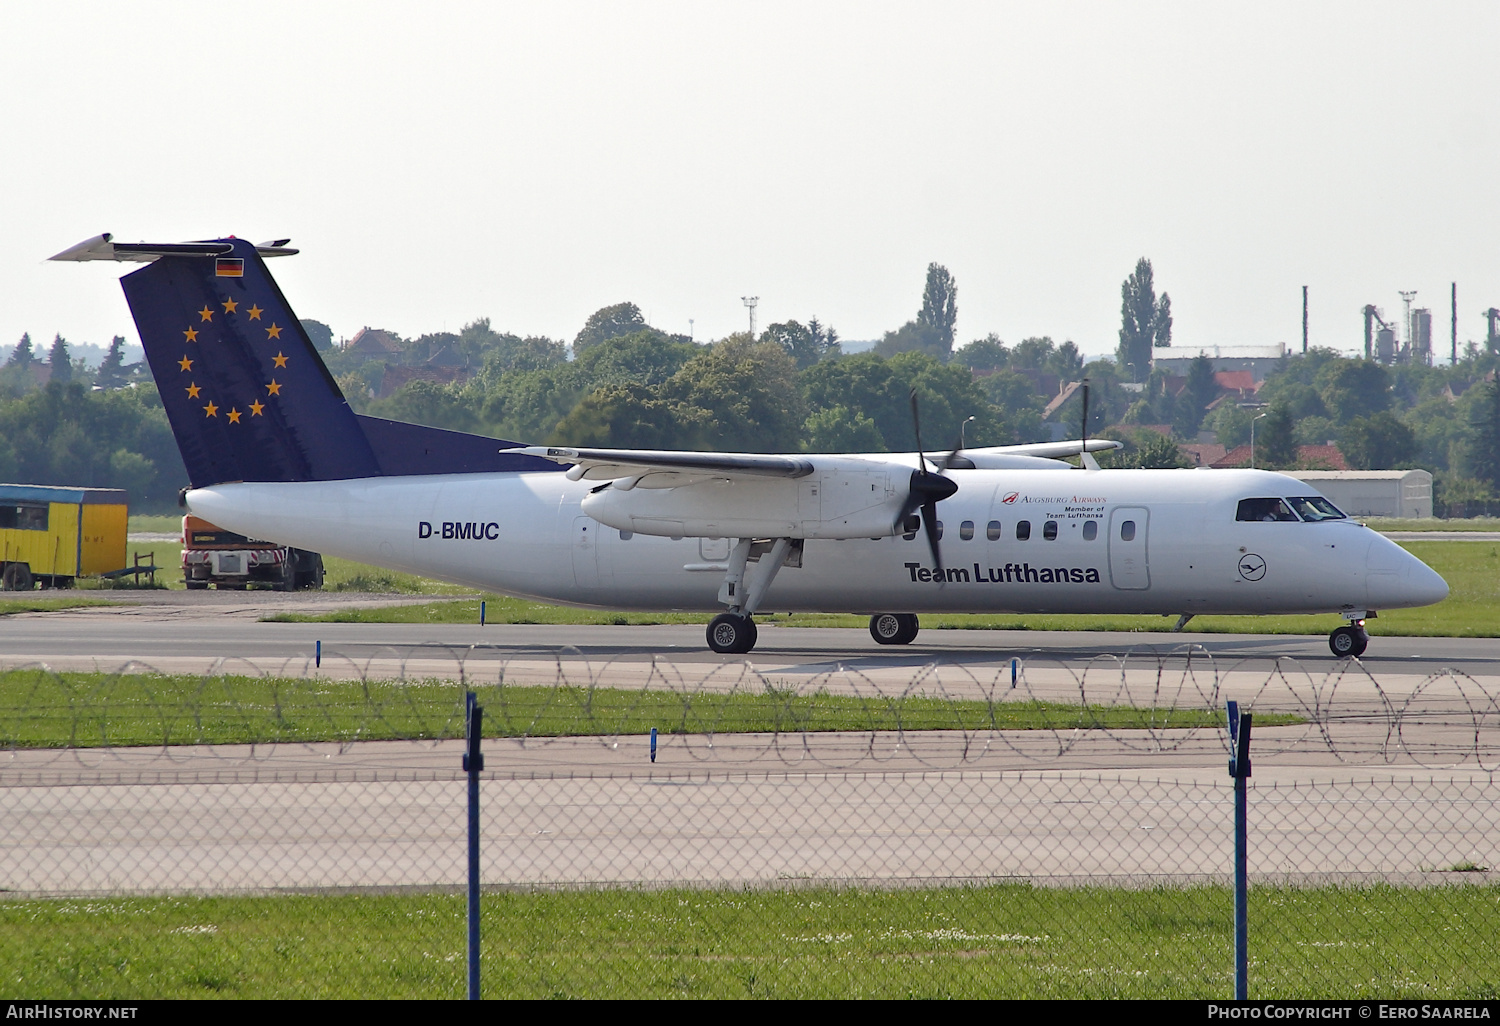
x=1000 y=941
x=1432 y=524
x=47 y=605
x=147 y=523
x=45 y=709
x=1472 y=609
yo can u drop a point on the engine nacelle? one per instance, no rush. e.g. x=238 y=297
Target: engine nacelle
x=834 y=502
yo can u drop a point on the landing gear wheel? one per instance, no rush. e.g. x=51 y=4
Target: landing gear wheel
x=1348 y=642
x=17 y=577
x=732 y=634
x=894 y=628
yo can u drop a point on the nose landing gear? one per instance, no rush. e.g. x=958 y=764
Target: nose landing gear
x=1349 y=641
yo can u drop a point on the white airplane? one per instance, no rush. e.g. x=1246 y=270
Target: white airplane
x=274 y=451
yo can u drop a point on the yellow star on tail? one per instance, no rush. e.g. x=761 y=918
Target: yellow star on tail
x=279 y=359
x=234 y=416
x=256 y=407
x=192 y=334
x=230 y=305
x=273 y=331
x=193 y=390
x=206 y=313
x=273 y=387
x=254 y=312
x=211 y=410
x=185 y=364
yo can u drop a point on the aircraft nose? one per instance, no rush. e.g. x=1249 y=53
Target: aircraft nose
x=1422 y=584
x=1395 y=579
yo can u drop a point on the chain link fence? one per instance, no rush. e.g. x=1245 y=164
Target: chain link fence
x=877 y=854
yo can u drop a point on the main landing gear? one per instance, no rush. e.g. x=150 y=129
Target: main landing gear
x=1350 y=640
x=894 y=628
x=734 y=633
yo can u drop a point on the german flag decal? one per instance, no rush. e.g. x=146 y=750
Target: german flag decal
x=229 y=267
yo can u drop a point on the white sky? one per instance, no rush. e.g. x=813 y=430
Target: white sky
x=533 y=162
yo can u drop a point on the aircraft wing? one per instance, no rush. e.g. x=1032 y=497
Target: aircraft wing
x=665 y=469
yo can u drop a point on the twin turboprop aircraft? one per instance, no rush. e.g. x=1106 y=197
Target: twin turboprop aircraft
x=273 y=450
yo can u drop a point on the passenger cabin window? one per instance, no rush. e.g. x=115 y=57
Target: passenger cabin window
x=1023 y=530
x=1268 y=511
x=1049 y=530
x=1127 y=530
x=992 y=532
x=966 y=530
x=24 y=518
x=1090 y=530
x=1313 y=508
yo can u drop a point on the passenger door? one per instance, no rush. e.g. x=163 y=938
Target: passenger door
x=1128 y=569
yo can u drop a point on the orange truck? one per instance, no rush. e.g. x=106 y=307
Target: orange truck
x=212 y=555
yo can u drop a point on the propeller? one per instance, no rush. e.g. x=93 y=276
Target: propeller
x=926 y=490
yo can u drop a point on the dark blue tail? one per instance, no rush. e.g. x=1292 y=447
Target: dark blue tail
x=247 y=395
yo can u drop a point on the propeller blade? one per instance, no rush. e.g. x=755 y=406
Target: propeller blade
x=916 y=426
x=929 y=520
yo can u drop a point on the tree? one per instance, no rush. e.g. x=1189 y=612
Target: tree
x=826 y=338
x=940 y=306
x=1379 y=442
x=1145 y=321
x=841 y=430
x=1354 y=388
x=806 y=345
x=1484 y=449
x=931 y=331
x=320 y=334
x=58 y=360
x=797 y=340
x=607 y=323
x=22 y=355
x=984 y=354
x=111 y=371
x=1200 y=390
x=1275 y=445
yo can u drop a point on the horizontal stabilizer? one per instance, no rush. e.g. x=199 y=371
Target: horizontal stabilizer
x=103 y=247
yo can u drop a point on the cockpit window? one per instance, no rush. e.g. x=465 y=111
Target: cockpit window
x=1313 y=508
x=1268 y=510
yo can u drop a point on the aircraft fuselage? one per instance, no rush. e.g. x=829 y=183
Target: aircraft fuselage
x=1108 y=541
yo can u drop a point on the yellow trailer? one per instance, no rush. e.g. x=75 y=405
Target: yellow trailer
x=52 y=535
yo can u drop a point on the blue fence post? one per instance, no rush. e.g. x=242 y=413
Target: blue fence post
x=318 y=655
x=481 y=612
x=1013 y=663
x=1239 y=769
x=473 y=763
x=653 y=744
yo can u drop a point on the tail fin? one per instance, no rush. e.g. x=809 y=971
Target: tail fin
x=246 y=394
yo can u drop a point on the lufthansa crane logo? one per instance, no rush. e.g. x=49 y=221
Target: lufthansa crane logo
x=1252 y=567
